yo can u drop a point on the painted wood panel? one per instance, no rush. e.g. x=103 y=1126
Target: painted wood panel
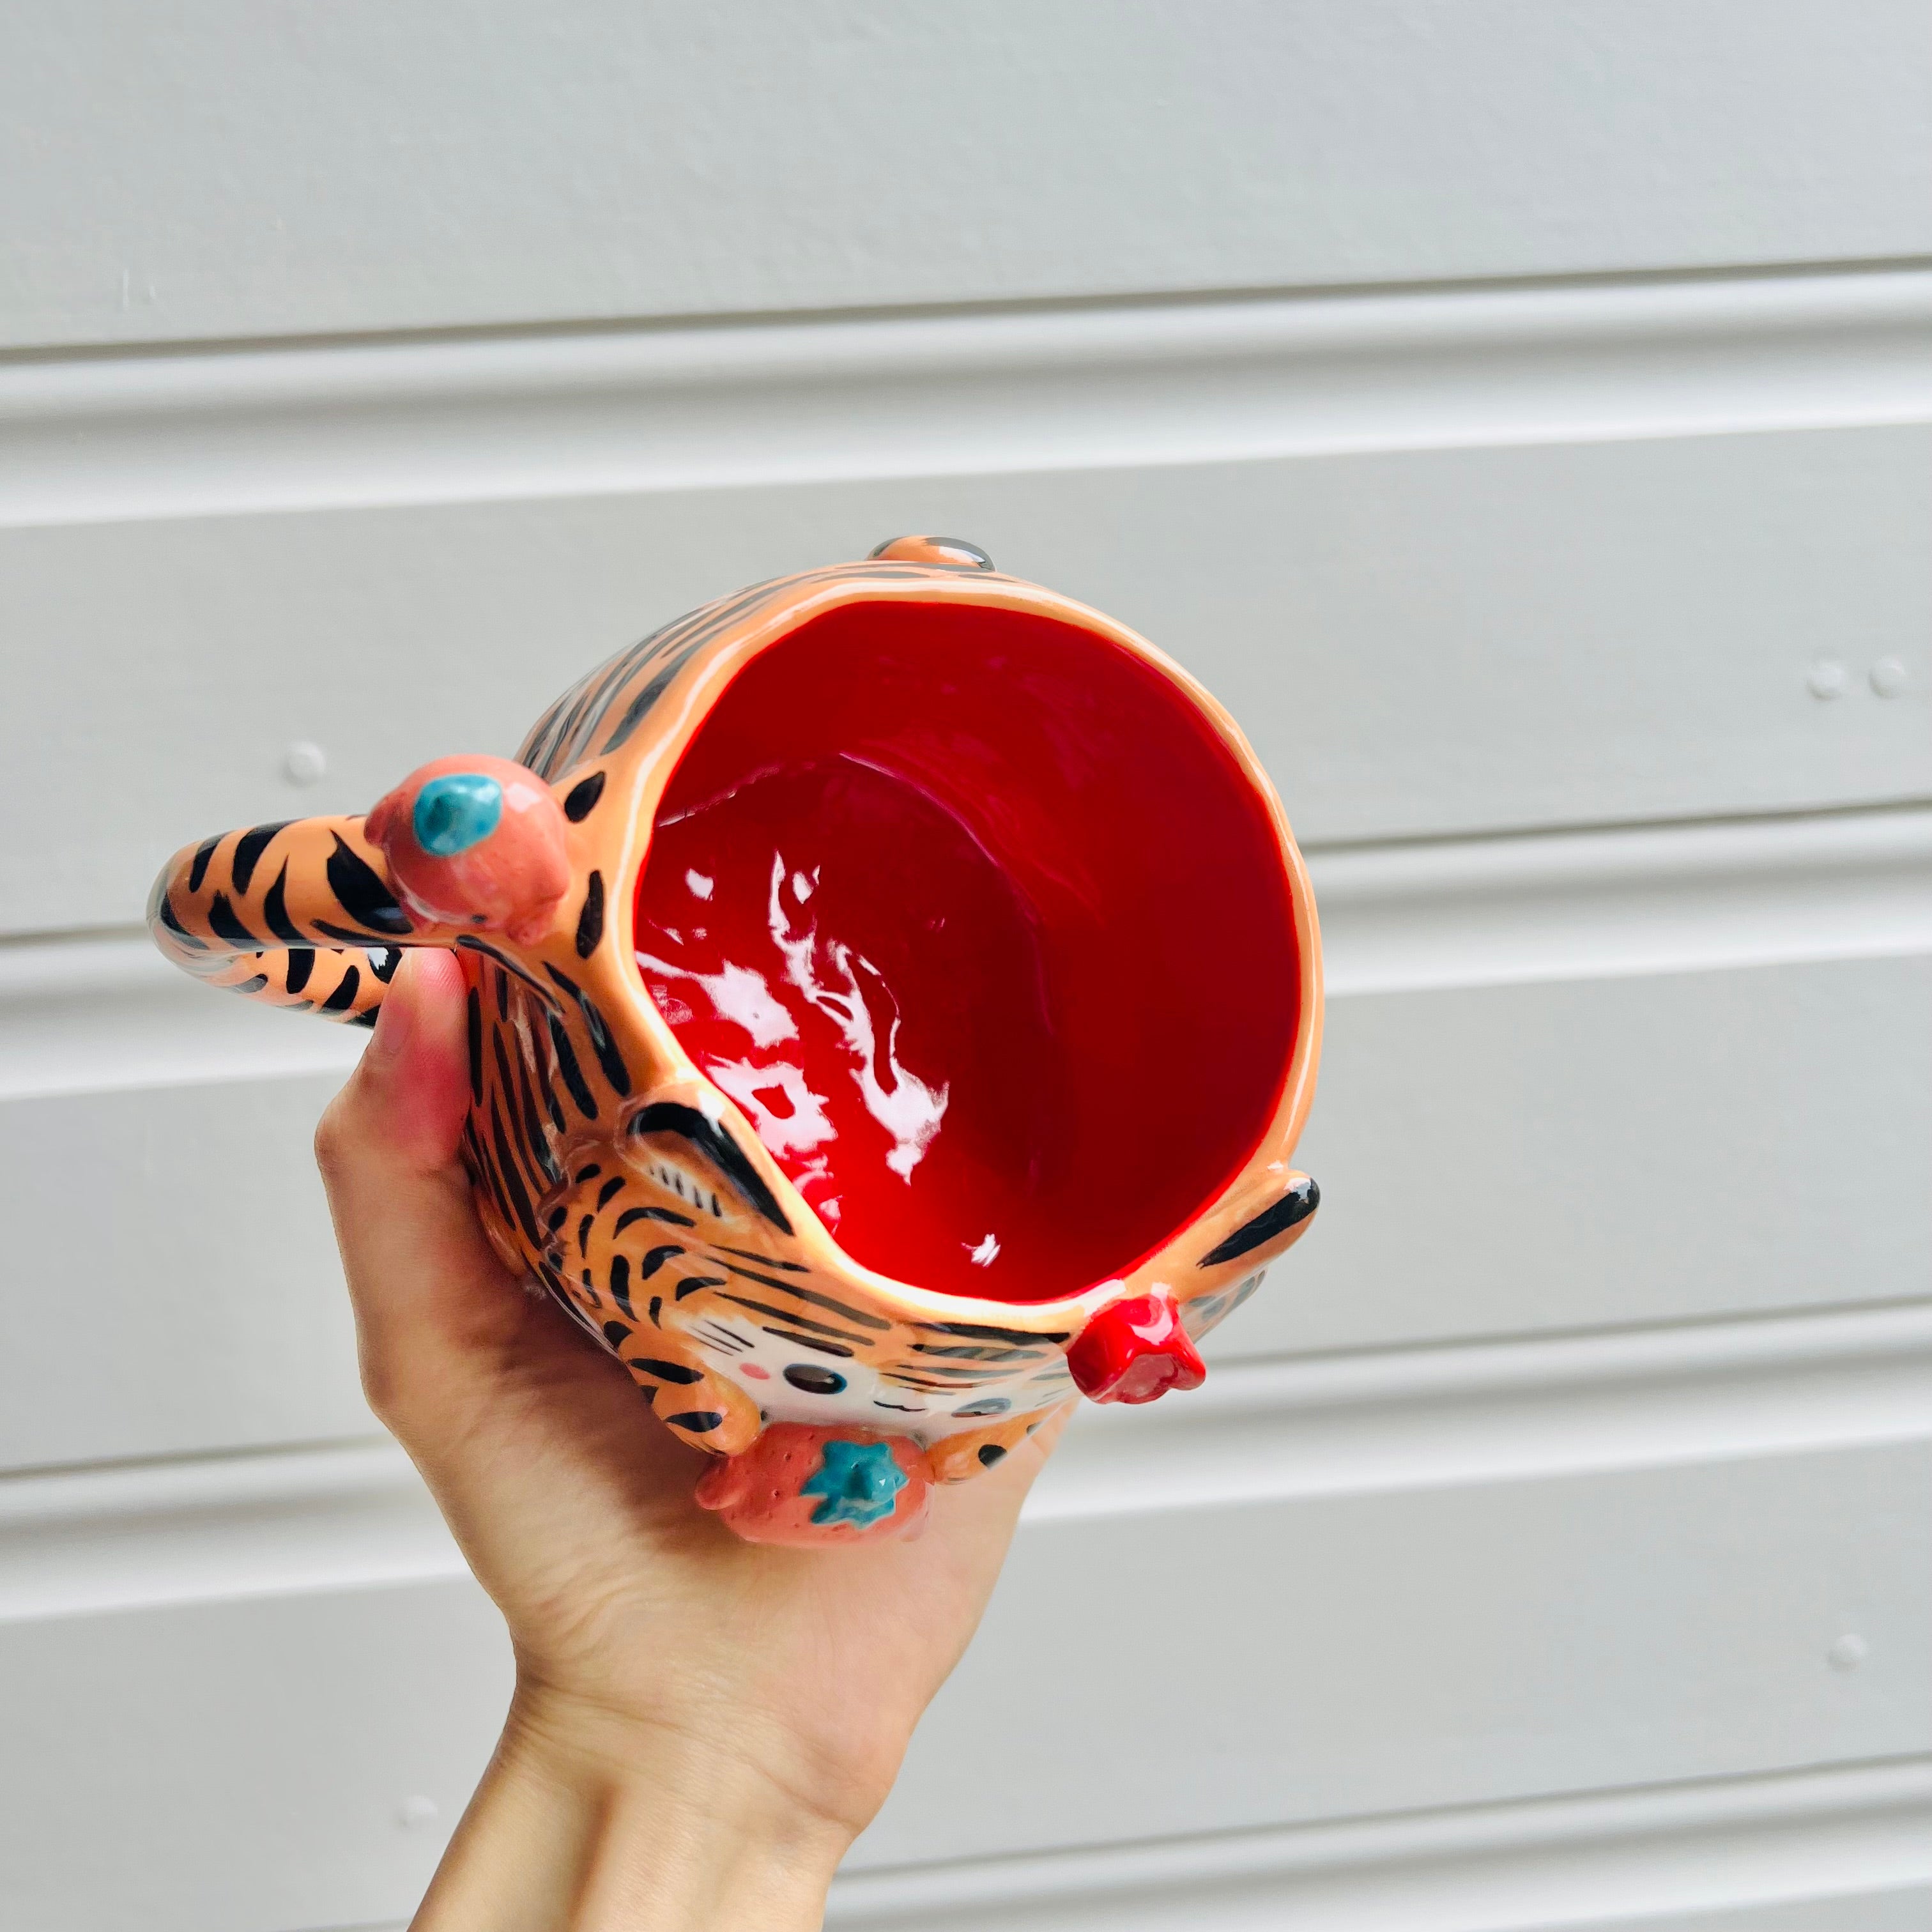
x=1341 y=1657
x=360 y=167
x=1419 y=643
x=1319 y=1658
x=1840 y=1851
x=1603 y=1152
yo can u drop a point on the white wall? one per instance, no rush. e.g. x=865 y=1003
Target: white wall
x=1509 y=408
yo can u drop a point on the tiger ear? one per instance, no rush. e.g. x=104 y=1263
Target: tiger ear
x=476 y=842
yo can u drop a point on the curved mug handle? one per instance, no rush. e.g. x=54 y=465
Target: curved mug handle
x=308 y=913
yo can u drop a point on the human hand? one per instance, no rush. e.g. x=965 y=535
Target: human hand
x=700 y=1725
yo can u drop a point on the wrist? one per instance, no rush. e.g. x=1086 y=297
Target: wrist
x=615 y=1823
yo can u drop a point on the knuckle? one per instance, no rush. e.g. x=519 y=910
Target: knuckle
x=379 y=1390
x=332 y=1140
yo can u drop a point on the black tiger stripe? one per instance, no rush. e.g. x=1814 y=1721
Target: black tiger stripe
x=609 y=1190
x=470 y=942
x=766 y=1261
x=500 y=1055
x=620 y=1283
x=1294 y=1207
x=584 y=1227
x=249 y=848
x=203 y=853
x=275 y=910
x=502 y=985
x=588 y=701
x=299 y=964
x=344 y=998
x=983 y=1331
x=583 y=797
x=543 y=749
x=473 y=1016
x=617 y=1334
x=971 y=1354
x=699 y=1421
x=791 y=1315
x=807 y=1342
x=346 y=935
x=573 y=1074
x=553 y=1106
x=533 y=1129
x=223 y=922
x=512 y=1178
x=812 y=1295
x=697 y=627
x=639 y=707
x=773 y=1281
x=590 y=920
x=654 y=1258
x=691 y=1283
x=601 y=1043
x=667 y=1371
x=665 y=1214
x=360 y=891
x=526 y=753
x=383 y=961
x=672 y=1117
x=252 y=985
x=576 y=714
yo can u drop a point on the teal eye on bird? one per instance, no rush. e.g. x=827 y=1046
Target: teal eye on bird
x=458 y=810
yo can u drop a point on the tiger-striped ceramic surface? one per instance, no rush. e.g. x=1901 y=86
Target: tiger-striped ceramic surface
x=894 y=995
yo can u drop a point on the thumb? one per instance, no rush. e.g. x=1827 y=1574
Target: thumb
x=429 y=1295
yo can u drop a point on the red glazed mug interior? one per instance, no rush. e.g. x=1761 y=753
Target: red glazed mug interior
x=983 y=924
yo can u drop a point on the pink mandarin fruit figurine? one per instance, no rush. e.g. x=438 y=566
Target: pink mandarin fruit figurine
x=894 y=996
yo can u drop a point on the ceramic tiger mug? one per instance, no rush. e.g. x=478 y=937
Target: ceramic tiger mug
x=894 y=994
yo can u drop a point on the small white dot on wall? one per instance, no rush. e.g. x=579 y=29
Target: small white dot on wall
x=1828 y=679
x=1889 y=678
x=1848 y=1653
x=415 y=1811
x=303 y=763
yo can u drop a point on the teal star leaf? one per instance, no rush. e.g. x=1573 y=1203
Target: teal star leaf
x=859 y=1481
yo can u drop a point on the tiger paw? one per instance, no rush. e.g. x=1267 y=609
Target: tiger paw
x=809 y=1487
x=1134 y=1350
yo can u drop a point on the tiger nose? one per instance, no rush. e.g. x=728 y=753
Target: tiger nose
x=457 y=812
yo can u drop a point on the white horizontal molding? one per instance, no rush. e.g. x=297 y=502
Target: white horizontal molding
x=217 y=1529
x=1500 y=1411
x=354 y=1515
x=106 y=1013
x=1646 y=899
x=95 y=1013
x=589 y=413
x=1626 y=1857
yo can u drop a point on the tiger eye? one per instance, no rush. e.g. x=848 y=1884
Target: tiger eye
x=814 y=1380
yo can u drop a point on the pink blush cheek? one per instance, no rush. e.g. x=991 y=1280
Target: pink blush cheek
x=757 y=1374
